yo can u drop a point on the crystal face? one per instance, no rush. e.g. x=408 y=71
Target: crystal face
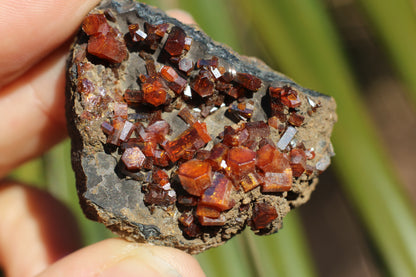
x=195 y=176
x=241 y=160
x=263 y=215
x=270 y=159
x=175 y=43
x=218 y=195
x=277 y=182
x=104 y=41
x=133 y=158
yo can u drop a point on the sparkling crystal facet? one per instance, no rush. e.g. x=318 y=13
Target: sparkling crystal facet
x=277 y=182
x=270 y=159
x=218 y=195
x=133 y=158
x=241 y=160
x=175 y=43
x=195 y=176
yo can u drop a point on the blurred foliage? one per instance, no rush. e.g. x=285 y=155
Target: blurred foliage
x=299 y=38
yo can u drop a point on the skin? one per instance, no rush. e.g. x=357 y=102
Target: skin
x=38 y=235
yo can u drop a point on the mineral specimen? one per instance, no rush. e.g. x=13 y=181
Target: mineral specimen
x=178 y=141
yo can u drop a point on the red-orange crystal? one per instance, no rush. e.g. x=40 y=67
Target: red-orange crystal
x=270 y=159
x=202 y=210
x=187 y=200
x=133 y=97
x=218 y=155
x=155 y=97
x=273 y=122
x=208 y=221
x=257 y=129
x=161 y=158
x=159 y=127
x=251 y=181
x=241 y=160
x=297 y=161
x=188 y=43
x=133 y=158
x=155 y=34
x=277 y=182
x=95 y=24
x=175 y=43
x=186 y=219
x=120 y=110
x=218 y=195
x=248 y=81
x=213 y=62
x=158 y=196
x=117 y=124
x=296 y=119
x=194 y=137
x=263 y=215
x=107 y=47
x=107 y=128
x=195 y=176
x=233 y=137
x=168 y=73
x=178 y=85
x=243 y=157
x=160 y=176
x=126 y=131
x=288 y=96
x=136 y=34
x=204 y=86
x=104 y=41
x=187 y=116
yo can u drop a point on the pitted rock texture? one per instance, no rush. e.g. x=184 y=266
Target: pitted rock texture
x=179 y=141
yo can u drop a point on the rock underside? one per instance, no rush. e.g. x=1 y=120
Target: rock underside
x=179 y=141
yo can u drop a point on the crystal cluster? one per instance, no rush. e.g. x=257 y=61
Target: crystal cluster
x=207 y=168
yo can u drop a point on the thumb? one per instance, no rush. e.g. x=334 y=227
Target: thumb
x=116 y=257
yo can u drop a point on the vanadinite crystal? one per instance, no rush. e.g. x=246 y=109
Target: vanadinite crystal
x=241 y=160
x=218 y=195
x=263 y=215
x=133 y=158
x=179 y=141
x=270 y=159
x=195 y=176
x=104 y=42
x=175 y=43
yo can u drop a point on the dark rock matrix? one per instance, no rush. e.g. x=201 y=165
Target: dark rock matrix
x=179 y=141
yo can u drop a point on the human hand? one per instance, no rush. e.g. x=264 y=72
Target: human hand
x=37 y=233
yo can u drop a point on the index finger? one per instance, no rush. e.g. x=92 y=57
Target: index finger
x=31 y=29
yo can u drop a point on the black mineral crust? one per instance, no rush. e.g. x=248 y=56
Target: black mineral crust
x=112 y=194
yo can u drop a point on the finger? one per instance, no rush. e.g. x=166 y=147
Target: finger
x=33 y=111
x=181 y=15
x=35 y=230
x=117 y=257
x=34 y=108
x=30 y=29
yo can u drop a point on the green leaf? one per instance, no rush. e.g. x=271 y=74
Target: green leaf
x=283 y=254
x=30 y=172
x=395 y=24
x=230 y=259
x=316 y=59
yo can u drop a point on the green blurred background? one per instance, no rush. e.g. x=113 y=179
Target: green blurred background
x=361 y=218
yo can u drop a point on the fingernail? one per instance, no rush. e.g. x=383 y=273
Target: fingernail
x=143 y=262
